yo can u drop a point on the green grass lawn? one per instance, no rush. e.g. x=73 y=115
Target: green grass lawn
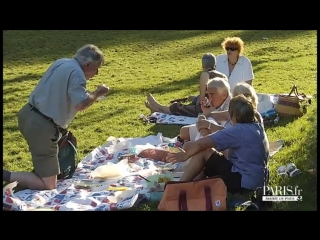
x=167 y=64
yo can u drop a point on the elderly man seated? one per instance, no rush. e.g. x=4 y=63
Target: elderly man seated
x=219 y=94
x=218 y=90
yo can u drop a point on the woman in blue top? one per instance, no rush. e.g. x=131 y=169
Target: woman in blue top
x=245 y=167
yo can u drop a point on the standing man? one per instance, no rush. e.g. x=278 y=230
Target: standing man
x=60 y=94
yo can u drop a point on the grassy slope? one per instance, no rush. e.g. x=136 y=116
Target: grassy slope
x=166 y=63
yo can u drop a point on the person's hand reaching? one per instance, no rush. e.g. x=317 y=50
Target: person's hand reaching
x=177 y=157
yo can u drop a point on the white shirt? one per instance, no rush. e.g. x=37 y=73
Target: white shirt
x=193 y=131
x=224 y=106
x=241 y=72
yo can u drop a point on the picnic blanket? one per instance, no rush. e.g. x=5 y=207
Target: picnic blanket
x=266 y=103
x=67 y=198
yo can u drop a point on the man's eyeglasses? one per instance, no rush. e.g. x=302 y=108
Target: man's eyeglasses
x=231 y=49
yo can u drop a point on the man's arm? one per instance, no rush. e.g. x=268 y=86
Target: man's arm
x=207 y=124
x=219 y=116
x=220 y=140
x=80 y=98
x=214 y=128
x=91 y=98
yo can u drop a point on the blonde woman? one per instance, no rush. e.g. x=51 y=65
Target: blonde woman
x=189 y=133
x=233 y=63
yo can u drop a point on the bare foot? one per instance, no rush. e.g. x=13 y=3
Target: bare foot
x=151 y=99
x=147 y=104
x=151 y=108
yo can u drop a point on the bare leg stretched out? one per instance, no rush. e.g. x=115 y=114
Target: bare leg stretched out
x=151 y=108
x=153 y=102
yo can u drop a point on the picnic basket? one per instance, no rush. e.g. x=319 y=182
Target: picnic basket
x=292 y=104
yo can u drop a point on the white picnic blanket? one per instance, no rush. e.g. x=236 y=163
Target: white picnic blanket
x=67 y=198
x=266 y=103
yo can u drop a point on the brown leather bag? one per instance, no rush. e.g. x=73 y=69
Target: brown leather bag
x=293 y=104
x=209 y=194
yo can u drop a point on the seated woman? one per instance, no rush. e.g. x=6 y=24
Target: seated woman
x=190 y=110
x=189 y=132
x=233 y=63
x=246 y=167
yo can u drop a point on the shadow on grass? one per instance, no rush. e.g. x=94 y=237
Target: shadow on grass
x=44 y=45
x=85 y=118
x=248 y=36
x=283 y=121
x=170 y=131
x=160 y=88
x=305 y=181
x=20 y=79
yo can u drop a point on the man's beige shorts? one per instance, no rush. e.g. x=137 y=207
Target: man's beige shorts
x=42 y=137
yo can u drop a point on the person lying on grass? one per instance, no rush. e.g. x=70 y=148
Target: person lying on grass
x=246 y=166
x=190 y=132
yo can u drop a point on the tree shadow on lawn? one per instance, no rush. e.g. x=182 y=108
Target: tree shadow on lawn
x=43 y=45
x=160 y=88
x=305 y=158
x=247 y=36
x=20 y=79
x=48 y=45
x=168 y=130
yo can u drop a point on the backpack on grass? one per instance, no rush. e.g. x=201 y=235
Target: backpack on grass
x=68 y=156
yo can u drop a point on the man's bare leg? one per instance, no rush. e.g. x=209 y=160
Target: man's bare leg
x=196 y=165
x=151 y=108
x=153 y=102
x=31 y=181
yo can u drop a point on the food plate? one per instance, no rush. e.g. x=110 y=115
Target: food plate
x=158 y=181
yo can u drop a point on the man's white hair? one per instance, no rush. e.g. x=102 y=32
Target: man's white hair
x=89 y=53
x=220 y=84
